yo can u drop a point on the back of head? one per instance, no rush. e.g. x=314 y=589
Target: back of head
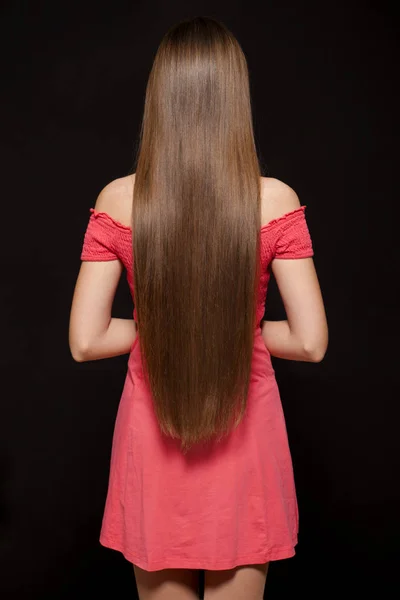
x=196 y=220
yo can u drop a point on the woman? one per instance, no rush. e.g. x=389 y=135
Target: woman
x=201 y=474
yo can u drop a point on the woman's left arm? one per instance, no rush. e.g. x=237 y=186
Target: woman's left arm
x=93 y=333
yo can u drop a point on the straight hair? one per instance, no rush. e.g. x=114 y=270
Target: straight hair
x=196 y=219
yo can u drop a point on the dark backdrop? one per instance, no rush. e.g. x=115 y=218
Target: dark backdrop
x=323 y=78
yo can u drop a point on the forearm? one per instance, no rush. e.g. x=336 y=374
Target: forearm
x=281 y=342
x=115 y=341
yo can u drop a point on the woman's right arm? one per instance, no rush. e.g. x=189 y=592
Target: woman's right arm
x=304 y=335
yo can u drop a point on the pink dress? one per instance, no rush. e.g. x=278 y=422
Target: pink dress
x=222 y=505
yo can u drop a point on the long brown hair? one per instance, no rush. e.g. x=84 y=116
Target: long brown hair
x=196 y=218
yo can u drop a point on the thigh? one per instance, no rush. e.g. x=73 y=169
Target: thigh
x=246 y=582
x=167 y=584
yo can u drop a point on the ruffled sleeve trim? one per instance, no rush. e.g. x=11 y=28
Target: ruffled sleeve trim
x=99 y=242
x=289 y=236
x=103 y=215
x=285 y=217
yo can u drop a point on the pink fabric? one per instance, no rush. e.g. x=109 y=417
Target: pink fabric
x=222 y=505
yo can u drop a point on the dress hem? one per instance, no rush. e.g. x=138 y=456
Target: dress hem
x=200 y=564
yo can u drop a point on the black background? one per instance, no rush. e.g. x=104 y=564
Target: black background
x=325 y=100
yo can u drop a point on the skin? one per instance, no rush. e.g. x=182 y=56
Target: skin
x=94 y=334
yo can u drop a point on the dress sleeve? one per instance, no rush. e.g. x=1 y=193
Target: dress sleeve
x=99 y=240
x=291 y=236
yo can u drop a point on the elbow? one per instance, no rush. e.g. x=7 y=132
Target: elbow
x=315 y=355
x=79 y=352
x=315 y=349
x=316 y=352
x=78 y=356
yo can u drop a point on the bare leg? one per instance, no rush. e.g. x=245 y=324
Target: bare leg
x=167 y=584
x=242 y=583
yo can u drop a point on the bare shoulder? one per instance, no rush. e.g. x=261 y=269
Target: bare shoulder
x=277 y=199
x=115 y=199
